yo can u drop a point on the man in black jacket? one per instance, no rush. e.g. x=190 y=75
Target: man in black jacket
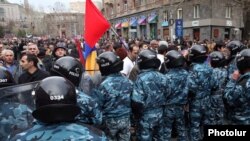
x=32 y=72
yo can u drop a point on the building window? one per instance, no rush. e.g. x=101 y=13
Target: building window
x=165 y=15
x=179 y=13
x=118 y=8
x=125 y=6
x=142 y=2
x=112 y=10
x=197 y=11
x=228 y=11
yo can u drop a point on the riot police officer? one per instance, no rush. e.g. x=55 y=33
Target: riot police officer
x=6 y=78
x=71 y=69
x=56 y=110
x=114 y=97
x=14 y=116
x=177 y=99
x=148 y=97
x=233 y=47
x=236 y=96
x=200 y=84
x=218 y=61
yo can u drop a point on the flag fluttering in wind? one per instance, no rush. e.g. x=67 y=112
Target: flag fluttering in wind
x=95 y=26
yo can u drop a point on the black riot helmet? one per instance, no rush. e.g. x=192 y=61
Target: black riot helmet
x=55 y=99
x=6 y=78
x=61 y=45
x=69 y=68
x=243 y=60
x=197 y=54
x=217 y=59
x=174 y=59
x=109 y=63
x=148 y=59
x=234 y=47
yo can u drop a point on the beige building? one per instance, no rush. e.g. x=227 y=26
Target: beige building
x=16 y=17
x=64 y=24
x=170 y=19
x=78 y=6
x=11 y=12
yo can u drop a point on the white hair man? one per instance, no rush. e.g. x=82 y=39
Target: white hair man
x=33 y=49
x=10 y=63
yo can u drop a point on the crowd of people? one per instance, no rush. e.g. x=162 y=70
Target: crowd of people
x=142 y=91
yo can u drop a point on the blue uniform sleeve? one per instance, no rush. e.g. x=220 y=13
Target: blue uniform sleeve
x=232 y=93
x=138 y=93
x=90 y=112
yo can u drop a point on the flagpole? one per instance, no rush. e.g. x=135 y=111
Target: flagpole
x=119 y=37
x=113 y=30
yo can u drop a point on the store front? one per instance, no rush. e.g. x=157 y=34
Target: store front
x=125 y=26
x=143 y=27
x=196 y=34
x=133 y=27
x=152 y=20
x=165 y=27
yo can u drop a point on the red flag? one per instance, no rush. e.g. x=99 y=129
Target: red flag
x=95 y=24
x=78 y=45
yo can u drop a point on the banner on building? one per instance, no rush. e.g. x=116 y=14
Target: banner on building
x=179 y=28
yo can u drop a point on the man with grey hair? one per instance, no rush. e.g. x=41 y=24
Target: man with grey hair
x=33 y=49
x=154 y=45
x=10 y=63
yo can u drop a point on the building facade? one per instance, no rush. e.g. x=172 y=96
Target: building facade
x=78 y=6
x=64 y=24
x=11 y=12
x=171 y=19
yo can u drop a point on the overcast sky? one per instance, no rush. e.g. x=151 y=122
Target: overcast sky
x=46 y=4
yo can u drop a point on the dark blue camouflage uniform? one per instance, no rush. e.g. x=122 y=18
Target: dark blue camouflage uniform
x=175 y=101
x=86 y=84
x=200 y=84
x=237 y=99
x=90 y=112
x=61 y=132
x=217 y=105
x=114 y=97
x=14 y=118
x=149 y=91
x=231 y=68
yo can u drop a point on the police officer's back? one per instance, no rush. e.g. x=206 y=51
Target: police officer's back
x=148 y=97
x=218 y=62
x=236 y=96
x=200 y=84
x=114 y=97
x=178 y=96
x=56 y=110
